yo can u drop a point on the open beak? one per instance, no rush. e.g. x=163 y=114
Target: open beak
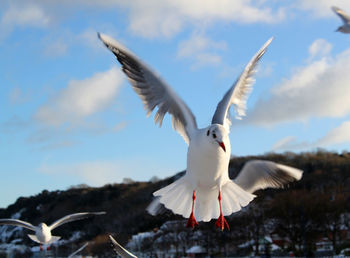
x=222 y=145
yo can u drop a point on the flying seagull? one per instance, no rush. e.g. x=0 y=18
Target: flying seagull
x=120 y=250
x=345 y=28
x=42 y=231
x=206 y=181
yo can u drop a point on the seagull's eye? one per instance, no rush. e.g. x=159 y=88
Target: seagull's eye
x=208 y=133
x=214 y=135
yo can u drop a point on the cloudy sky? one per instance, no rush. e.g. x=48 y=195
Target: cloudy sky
x=69 y=116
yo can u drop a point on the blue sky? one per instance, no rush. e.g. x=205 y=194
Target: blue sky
x=69 y=116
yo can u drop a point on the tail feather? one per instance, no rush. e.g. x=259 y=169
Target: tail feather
x=169 y=196
x=54 y=239
x=183 y=205
x=166 y=189
x=236 y=196
x=34 y=238
x=178 y=198
x=228 y=205
x=206 y=206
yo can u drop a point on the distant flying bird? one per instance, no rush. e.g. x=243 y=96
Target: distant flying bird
x=77 y=251
x=120 y=250
x=195 y=195
x=42 y=231
x=345 y=28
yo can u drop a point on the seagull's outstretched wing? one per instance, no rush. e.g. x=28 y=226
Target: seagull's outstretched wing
x=73 y=217
x=17 y=222
x=121 y=250
x=153 y=90
x=77 y=251
x=345 y=18
x=237 y=95
x=261 y=174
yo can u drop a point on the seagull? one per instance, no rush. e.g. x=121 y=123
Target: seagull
x=42 y=231
x=205 y=191
x=345 y=28
x=120 y=250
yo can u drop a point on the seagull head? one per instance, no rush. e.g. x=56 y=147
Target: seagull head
x=43 y=226
x=217 y=135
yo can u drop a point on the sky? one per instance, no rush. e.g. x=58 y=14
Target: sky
x=68 y=115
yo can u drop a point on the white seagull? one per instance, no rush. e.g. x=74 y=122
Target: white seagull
x=120 y=250
x=42 y=231
x=194 y=195
x=345 y=28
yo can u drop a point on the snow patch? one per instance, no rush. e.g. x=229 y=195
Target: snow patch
x=18 y=214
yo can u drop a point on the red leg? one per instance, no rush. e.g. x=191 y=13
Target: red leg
x=48 y=248
x=221 y=222
x=191 y=222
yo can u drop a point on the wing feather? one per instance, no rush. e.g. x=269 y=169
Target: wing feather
x=237 y=95
x=17 y=222
x=121 y=250
x=153 y=91
x=77 y=251
x=261 y=174
x=74 y=217
x=345 y=18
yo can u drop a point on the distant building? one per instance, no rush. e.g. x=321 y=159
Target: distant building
x=324 y=247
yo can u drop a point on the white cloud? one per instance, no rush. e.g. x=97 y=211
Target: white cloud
x=18 y=96
x=120 y=126
x=156 y=18
x=201 y=50
x=22 y=15
x=58 y=42
x=319 y=89
x=95 y=173
x=81 y=98
x=72 y=110
x=152 y=18
x=89 y=38
x=335 y=136
x=14 y=124
x=283 y=143
x=322 y=8
x=100 y=172
x=320 y=48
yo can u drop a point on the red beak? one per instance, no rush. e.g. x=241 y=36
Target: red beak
x=222 y=145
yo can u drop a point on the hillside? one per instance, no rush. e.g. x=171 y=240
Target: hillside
x=326 y=180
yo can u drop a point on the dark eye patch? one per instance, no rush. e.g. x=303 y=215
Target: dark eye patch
x=214 y=135
x=208 y=133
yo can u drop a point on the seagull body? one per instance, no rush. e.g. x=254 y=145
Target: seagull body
x=345 y=28
x=42 y=231
x=205 y=191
